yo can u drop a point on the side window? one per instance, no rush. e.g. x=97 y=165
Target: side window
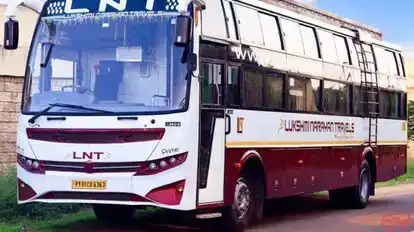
x=369 y=54
x=389 y=102
x=253 y=88
x=383 y=66
x=271 y=32
x=357 y=98
x=293 y=37
x=387 y=62
x=336 y=98
x=212 y=84
x=403 y=106
x=274 y=84
x=233 y=85
x=249 y=25
x=394 y=65
x=304 y=94
x=230 y=21
x=342 y=50
x=328 y=46
x=213 y=22
x=310 y=43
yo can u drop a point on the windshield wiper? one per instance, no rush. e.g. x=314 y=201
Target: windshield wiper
x=51 y=106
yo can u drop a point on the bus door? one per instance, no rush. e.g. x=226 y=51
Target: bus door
x=212 y=133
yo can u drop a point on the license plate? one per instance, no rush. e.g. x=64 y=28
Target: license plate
x=85 y=184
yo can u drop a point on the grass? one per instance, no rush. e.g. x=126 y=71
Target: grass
x=47 y=225
x=79 y=221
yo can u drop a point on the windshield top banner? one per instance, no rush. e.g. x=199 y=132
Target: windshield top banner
x=68 y=7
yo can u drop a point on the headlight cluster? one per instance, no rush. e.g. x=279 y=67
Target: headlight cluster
x=160 y=165
x=30 y=165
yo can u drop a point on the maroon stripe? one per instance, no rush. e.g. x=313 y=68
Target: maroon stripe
x=93 y=196
x=95 y=136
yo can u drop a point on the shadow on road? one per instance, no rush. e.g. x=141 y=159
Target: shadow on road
x=277 y=211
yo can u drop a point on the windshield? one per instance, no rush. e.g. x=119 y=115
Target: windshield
x=123 y=63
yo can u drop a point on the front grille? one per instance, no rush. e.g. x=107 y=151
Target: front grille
x=90 y=167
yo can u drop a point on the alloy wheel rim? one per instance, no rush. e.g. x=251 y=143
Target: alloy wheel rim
x=364 y=185
x=241 y=199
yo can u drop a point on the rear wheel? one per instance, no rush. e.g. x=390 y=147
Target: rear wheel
x=356 y=196
x=113 y=214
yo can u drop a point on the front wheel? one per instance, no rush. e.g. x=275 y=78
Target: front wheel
x=113 y=214
x=247 y=205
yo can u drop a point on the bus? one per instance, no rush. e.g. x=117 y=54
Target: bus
x=210 y=107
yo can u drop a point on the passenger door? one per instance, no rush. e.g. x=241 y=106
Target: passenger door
x=212 y=133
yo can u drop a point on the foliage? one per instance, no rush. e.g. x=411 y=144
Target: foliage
x=10 y=210
x=411 y=119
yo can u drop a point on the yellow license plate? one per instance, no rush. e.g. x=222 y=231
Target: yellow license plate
x=85 y=184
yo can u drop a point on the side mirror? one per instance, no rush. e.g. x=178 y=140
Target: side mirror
x=192 y=62
x=182 y=31
x=11 y=34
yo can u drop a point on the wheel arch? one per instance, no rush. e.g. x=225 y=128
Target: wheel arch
x=252 y=162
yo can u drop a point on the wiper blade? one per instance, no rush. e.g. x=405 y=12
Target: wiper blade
x=51 y=106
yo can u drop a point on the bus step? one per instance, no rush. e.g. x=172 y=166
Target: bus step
x=208 y=215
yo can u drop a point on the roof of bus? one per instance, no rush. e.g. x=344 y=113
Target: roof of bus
x=272 y=6
x=323 y=15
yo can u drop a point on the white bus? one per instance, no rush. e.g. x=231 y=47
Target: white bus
x=212 y=107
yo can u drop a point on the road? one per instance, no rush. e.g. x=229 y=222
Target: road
x=392 y=209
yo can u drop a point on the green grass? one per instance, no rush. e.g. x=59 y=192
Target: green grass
x=47 y=225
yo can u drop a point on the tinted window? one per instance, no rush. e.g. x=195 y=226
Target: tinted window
x=403 y=106
x=274 y=91
x=309 y=41
x=304 y=94
x=293 y=37
x=357 y=100
x=389 y=102
x=230 y=20
x=212 y=83
x=253 y=88
x=328 y=47
x=213 y=22
x=271 y=32
x=342 y=49
x=336 y=98
x=233 y=85
x=249 y=25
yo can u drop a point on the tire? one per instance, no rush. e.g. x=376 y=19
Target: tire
x=113 y=214
x=247 y=206
x=356 y=197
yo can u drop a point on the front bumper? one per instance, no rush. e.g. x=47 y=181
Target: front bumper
x=162 y=190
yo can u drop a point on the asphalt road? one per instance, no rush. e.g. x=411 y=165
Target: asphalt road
x=392 y=209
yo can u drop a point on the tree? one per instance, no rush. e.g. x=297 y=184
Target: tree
x=411 y=119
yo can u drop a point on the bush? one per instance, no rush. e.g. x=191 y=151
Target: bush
x=10 y=210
